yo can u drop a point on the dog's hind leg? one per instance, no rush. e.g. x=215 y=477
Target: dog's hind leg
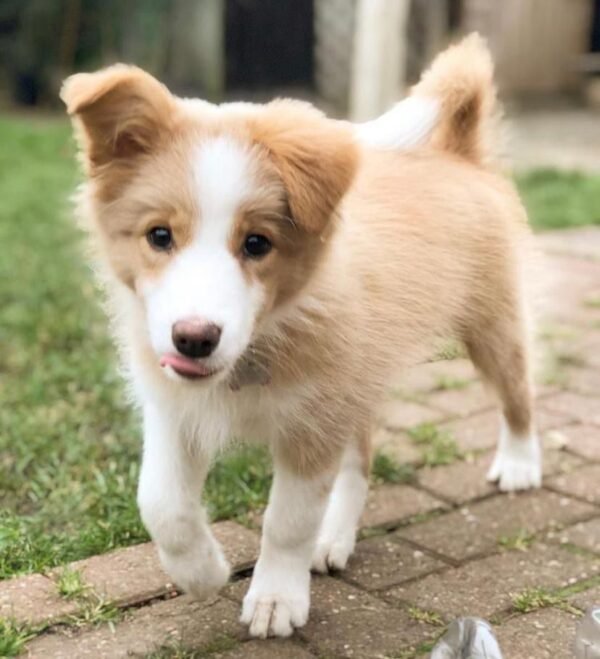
x=499 y=348
x=337 y=536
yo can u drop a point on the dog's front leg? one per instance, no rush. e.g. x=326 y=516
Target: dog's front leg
x=279 y=595
x=169 y=490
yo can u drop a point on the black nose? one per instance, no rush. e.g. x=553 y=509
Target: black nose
x=195 y=338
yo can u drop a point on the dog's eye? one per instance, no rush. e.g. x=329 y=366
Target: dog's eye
x=256 y=246
x=160 y=238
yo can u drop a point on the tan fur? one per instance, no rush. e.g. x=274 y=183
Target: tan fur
x=316 y=166
x=379 y=253
x=463 y=78
x=121 y=114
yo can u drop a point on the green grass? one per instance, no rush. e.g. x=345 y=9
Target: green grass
x=558 y=199
x=13 y=637
x=69 y=443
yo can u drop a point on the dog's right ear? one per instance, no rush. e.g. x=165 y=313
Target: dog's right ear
x=120 y=113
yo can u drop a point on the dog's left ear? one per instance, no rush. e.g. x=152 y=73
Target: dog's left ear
x=315 y=156
x=121 y=112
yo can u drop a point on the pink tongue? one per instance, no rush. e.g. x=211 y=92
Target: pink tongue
x=184 y=365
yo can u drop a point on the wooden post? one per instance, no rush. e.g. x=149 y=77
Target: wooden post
x=379 y=58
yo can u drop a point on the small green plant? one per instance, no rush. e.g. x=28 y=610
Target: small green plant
x=70 y=584
x=448 y=383
x=387 y=470
x=428 y=617
x=13 y=637
x=437 y=447
x=533 y=599
x=541 y=598
x=519 y=541
x=95 y=611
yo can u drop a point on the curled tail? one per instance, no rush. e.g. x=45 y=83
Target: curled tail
x=461 y=79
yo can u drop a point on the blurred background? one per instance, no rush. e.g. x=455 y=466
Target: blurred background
x=353 y=55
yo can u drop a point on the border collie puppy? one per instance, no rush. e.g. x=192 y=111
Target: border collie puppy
x=267 y=269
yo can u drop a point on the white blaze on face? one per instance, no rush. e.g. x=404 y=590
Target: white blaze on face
x=205 y=280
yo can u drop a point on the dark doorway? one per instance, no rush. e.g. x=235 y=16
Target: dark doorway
x=595 y=45
x=269 y=44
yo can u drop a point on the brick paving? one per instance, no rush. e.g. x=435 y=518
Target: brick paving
x=444 y=544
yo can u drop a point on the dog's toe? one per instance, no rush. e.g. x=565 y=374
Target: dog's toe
x=273 y=615
x=520 y=477
x=333 y=553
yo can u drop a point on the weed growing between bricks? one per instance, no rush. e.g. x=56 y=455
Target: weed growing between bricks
x=519 y=541
x=70 y=584
x=387 y=470
x=535 y=599
x=428 y=617
x=93 y=610
x=438 y=447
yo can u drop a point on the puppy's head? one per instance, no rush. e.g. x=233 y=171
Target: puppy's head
x=212 y=216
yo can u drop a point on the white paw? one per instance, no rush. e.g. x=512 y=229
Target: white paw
x=201 y=571
x=332 y=553
x=517 y=464
x=276 y=604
